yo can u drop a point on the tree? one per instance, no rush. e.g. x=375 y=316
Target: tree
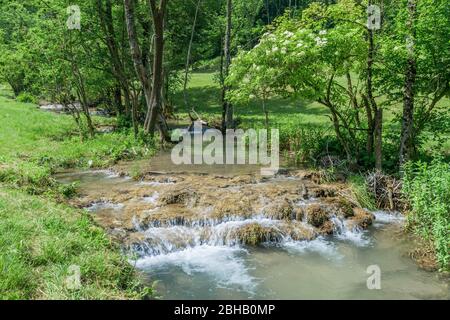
x=117 y=62
x=406 y=138
x=15 y=66
x=302 y=56
x=188 y=55
x=152 y=91
x=416 y=70
x=227 y=114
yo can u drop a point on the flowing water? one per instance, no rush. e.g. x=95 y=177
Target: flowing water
x=195 y=254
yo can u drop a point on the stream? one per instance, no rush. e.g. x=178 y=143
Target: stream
x=220 y=234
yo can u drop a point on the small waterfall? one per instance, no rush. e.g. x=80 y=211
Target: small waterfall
x=343 y=232
x=179 y=235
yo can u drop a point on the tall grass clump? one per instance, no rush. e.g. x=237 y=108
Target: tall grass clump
x=361 y=193
x=427 y=188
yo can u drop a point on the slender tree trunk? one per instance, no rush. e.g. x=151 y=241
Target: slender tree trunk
x=155 y=116
x=353 y=98
x=266 y=113
x=375 y=132
x=81 y=92
x=188 y=57
x=379 y=139
x=117 y=63
x=136 y=52
x=227 y=106
x=406 y=139
x=152 y=92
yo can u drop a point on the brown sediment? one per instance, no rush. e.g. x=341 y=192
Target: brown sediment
x=233 y=205
x=424 y=255
x=206 y=200
x=327 y=228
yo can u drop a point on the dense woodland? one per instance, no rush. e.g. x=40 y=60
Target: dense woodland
x=379 y=81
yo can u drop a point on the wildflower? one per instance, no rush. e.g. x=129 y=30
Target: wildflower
x=320 y=42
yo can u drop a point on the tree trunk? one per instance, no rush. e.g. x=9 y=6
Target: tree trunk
x=379 y=139
x=81 y=92
x=155 y=116
x=227 y=107
x=353 y=98
x=136 y=52
x=406 y=143
x=266 y=113
x=117 y=63
x=375 y=116
x=152 y=93
x=188 y=57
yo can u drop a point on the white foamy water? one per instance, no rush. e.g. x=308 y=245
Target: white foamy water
x=98 y=206
x=155 y=183
x=385 y=217
x=151 y=199
x=109 y=174
x=225 y=264
x=326 y=249
x=164 y=240
x=355 y=235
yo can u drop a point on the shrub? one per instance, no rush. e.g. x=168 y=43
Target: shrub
x=26 y=97
x=427 y=188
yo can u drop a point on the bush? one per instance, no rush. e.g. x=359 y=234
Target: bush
x=427 y=188
x=26 y=97
x=306 y=144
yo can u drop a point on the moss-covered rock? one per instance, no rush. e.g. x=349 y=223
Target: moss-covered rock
x=362 y=218
x=340 y=207
x=232 y=206
x=317 y=215
x=254 y=234
x=279 y=210
x=327 y=228
x=178 y=196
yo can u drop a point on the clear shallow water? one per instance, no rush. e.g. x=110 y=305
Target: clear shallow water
x=325 y=268
x=319 y=269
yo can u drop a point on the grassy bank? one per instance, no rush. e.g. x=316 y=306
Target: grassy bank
x=41 y=239
x=33 y=144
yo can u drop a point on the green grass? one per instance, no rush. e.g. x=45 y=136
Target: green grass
x=39 y=238
x=427 y=187
x=204 y=95
x=33 y=144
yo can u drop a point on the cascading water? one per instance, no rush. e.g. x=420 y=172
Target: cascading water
x=285 y=242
